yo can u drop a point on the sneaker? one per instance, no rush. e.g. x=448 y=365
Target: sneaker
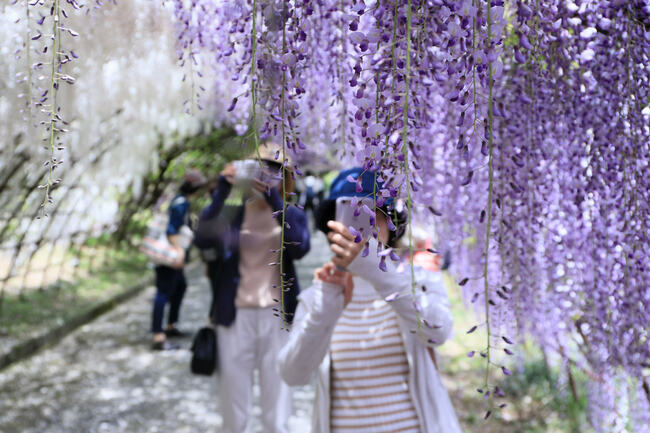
x=164 y=345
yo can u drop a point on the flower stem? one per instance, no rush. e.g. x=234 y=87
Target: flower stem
x=53 y=94
x=28 y=49
x=253 y=79
x=285 y=323
x=489 y=204
x=405 y=150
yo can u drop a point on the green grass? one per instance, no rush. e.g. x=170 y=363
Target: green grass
x=536 y=401
x=40 y=309
x=540 y=404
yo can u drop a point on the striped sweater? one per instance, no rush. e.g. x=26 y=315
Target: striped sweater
x=369 y=369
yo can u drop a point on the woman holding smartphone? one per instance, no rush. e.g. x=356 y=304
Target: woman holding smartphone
x=245 y=279
x=357 y=327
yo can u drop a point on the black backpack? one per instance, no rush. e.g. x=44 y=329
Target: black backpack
x=204 y=346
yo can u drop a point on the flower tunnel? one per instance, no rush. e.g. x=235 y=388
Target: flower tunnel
x=515 y=133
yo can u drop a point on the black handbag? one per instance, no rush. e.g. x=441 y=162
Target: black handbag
x=209 y=233
x=205 y=352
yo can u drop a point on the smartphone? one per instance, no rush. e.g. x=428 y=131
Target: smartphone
x=352 y=215
x=245 y=171
x=249 y=169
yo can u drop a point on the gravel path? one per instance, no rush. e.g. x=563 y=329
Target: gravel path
x=104 y=378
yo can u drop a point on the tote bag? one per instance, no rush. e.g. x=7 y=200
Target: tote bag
x=156 y=246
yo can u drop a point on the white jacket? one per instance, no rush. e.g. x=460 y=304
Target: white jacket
x=318 y=311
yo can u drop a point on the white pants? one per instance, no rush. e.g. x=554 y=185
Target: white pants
x=252 y=342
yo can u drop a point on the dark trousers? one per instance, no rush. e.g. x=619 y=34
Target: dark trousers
x=213 y=275
x=170 y=288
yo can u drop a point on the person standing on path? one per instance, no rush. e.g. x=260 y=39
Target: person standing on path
x=312 y=192
x=357 y=327
x=246 y=286
x=170 y=282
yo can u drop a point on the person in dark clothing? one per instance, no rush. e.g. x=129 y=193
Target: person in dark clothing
x=247 y=283
x=311 y=194
x=170 y=282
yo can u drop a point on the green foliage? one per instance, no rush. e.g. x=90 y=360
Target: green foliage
x=208 y=153
x=97 y=241
x=136 y=226
x=511 y=40
x=40 y=309
x=538 y=400
x=11 y=229
x=535 y=390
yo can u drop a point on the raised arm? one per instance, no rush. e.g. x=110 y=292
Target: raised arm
x=220 y=194
x=319 y=308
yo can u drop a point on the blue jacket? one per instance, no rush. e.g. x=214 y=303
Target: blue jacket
x=224 y=272
x=178 y=214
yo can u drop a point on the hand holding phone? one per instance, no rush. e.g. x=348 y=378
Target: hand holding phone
x=343 y=245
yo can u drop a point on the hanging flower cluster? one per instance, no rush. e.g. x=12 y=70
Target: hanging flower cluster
x=518 y=129
x=124 y=110
x=574 y=162
x=47 y=64
x=571 y=143
x=522 y=126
